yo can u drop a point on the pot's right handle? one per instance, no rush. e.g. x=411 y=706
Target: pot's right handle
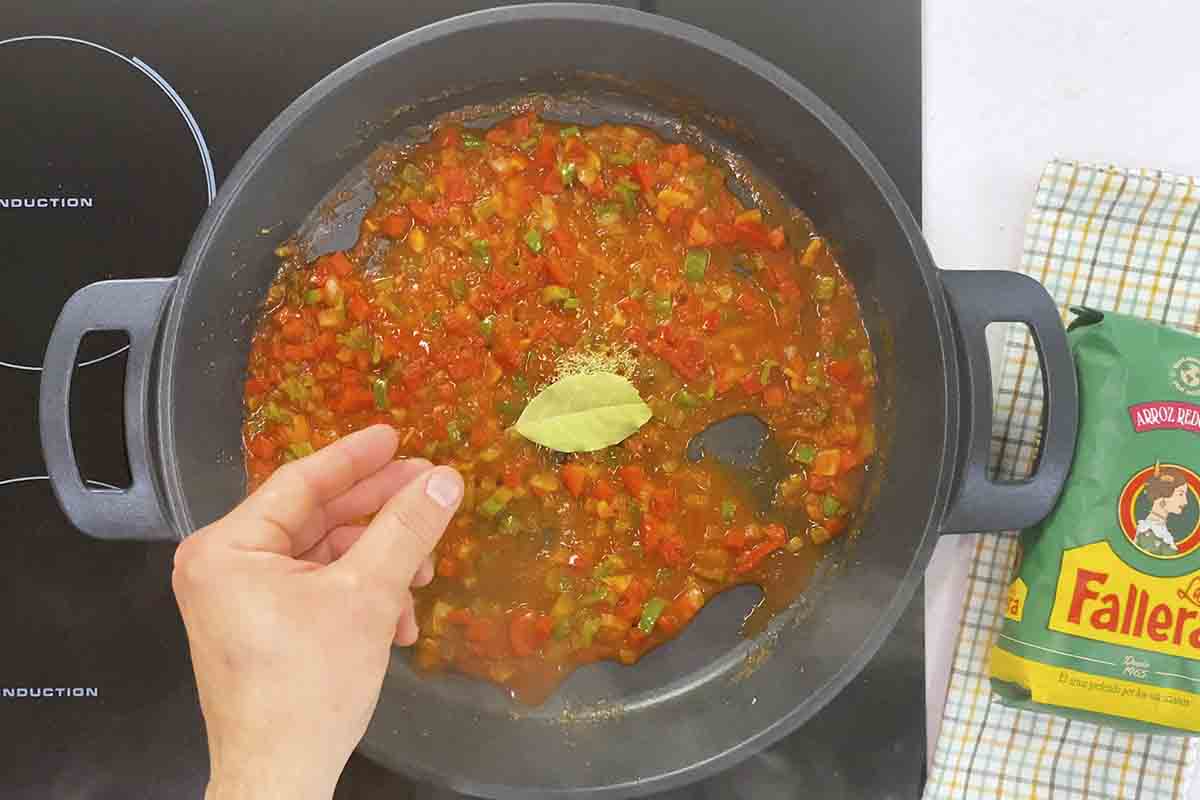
x=977 y=299
x=132 y=306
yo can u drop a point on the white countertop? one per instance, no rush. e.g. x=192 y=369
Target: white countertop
x=1008 y=86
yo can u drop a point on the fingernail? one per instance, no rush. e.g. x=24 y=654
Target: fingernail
x=445 y=486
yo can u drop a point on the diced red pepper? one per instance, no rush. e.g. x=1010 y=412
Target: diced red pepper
x=565 y=241
x=774 y=396
x=645 y=175
x=673 y=550
x=602 y=490
x=256 y=386
x=662 y=502
x=573 y=477
x=521 y=127
x=546 y=151
x=294 y=330
x=358 y=307
x=751 y=384
x=634 y=478
x=525 y=634
x=262 y=447
x=424 y=212
x=552 y=182
x=776 y=238
x=460 y=616
x=512 y=475
x=827 y=463
x=457 y=188
x=841 y=371
x=339 y=264
x=396 y=226
x=676 y=153
x=557 y=271
x=356 y=398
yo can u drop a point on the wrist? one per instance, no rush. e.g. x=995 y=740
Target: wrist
x=275 y=781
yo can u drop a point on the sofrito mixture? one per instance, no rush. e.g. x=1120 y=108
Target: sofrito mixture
x=494 y=262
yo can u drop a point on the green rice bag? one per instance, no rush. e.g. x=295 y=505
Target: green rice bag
x=1103 y=617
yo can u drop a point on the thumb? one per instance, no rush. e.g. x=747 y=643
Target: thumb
x=405 y=531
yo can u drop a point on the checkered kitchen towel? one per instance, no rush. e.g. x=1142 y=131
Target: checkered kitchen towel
x=1119 y=240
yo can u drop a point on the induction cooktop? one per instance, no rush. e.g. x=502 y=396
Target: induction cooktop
x=119 y=122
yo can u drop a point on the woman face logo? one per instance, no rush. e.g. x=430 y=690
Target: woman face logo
x=1159 y=511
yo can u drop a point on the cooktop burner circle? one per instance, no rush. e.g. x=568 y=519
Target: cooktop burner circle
x=106 y=175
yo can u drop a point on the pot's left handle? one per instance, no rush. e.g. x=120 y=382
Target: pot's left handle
x=132 y=306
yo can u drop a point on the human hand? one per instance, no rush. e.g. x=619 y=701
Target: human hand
x=291 y=610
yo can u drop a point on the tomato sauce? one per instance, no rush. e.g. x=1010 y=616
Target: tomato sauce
x=491 y=258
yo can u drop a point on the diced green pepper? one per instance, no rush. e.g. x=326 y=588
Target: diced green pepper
x=471 y=141
x=608 y=565
x=830 y=506
x=312 y=297
x=695 y=263
x=454 y=432
x=815 y=375
x=709 y=394
x=597 y=595
x=621 y=159
x=555 y=294
x=795 y=544
x=376 y=350
x=533 y=238
x=588 y=630
x=331 y=317
x=495 y=503
x=566 y=171
x=276 y=414
x=562 y=628
x=764 y=376
x=608 y=213
x=650 y=613
x=569 y=131
x=300 y=449
x=629 y=193
x=412 y=175
x=663 y=305
x=458 y=288
x=482 y=250
x=528 y=144
x=570 y=304
x=804 y=453
x=295 y=390
x=356 y=338
x=867 y=359
x=487 y=327
x=824 y=288
x=435 y=318
x=685 y=399
x=728 y=509
x=380 y=389
x=520 y=384
x=509 y=525
x=485 y=209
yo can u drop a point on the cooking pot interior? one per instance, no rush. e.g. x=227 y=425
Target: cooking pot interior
x=709 y=694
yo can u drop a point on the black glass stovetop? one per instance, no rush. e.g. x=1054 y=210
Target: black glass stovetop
x=117 y=123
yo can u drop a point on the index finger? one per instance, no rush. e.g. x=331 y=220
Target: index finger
x=297 y=492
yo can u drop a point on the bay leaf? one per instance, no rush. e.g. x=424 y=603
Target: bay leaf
x=584 y=412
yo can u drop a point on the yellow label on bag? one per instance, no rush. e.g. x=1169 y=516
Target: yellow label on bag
x=1100 y=597
x=1057 y=686
x=1015 y=608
